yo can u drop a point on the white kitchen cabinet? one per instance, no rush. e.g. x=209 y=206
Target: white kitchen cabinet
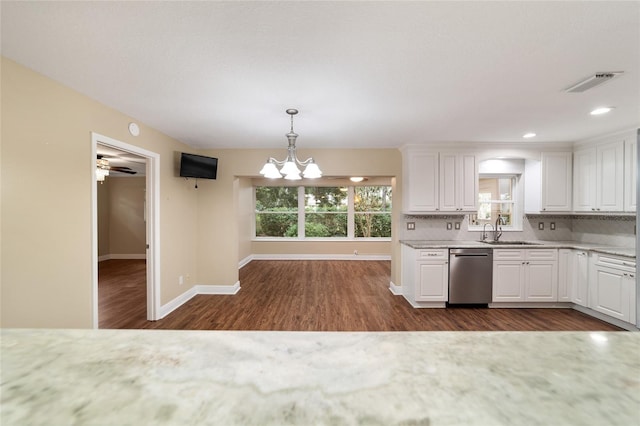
x=584 y=180
x=439 y=182
x=521 y=275
x=599 y=178
x=610 y=176
x=612 y=287
x=421 y=182
x=556 y=181
x=458 y=182
x=425 y=276
x=548 y=183
x=630 y=173
x=573 y=275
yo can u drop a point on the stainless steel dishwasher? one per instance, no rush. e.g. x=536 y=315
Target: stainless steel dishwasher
x=470 y=275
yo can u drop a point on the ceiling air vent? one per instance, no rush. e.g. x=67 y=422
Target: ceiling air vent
x=593 y=81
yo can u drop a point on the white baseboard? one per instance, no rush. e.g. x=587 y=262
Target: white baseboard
x=121 y=256
x=396 y=290
x=194 y=291
x=177 y=302
x=425 y=304
x=605 y=318
x=321 y=257
x=218 y=289
x=532 y=305
x=245 y=261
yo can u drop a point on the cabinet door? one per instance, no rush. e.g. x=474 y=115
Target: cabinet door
x=631 y=174
x=448 y=182
x=541 y=281
x=421 y=179
x=580 y=278
x=565 y=274
x=468 y=188
x=584 y=180
x=609 y=293
x=609 y=177
x=556 y=181
x=508 y=280
x=433 y=279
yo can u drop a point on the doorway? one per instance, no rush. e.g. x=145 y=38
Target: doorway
x=101 y=143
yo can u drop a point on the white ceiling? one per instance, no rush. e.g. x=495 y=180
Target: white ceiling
x=362 y=74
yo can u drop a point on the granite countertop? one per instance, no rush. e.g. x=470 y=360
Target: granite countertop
x=613 y=250
x=120 y=377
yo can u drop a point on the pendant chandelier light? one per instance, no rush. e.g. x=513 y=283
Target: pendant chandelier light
x=289 y=166
x=102 y=169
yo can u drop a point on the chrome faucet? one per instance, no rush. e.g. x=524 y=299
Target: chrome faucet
x=484 y=231
x=497 y=230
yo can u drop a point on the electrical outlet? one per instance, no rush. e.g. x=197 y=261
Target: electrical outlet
x=449 y=226
x=180 y=280
x=411 y=226
x=552 y=226
x=457 y=226
x=541 y=226
x=355 y=252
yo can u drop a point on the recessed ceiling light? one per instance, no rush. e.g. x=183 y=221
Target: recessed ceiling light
x=356 y=179
x=601 y=110
x=529 y=135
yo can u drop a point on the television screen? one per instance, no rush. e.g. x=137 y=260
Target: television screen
x=198 y=166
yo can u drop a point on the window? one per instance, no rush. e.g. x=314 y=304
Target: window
x=372 y=205
x=276 y=211
x=497 y=197
x=347 y=212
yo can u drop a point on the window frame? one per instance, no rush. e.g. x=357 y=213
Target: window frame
x=302 y=216
x=517 y=202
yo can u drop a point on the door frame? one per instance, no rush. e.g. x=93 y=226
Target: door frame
x=153 y=222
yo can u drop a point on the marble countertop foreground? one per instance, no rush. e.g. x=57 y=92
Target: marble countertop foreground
x=132 y=377
x=427 y=244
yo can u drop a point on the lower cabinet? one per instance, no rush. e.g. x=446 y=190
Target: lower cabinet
x=573 y=276
x=425 y=276
x=612 y=287
x=525 y=275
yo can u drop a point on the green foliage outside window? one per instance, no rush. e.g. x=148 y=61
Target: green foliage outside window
x=325 y=212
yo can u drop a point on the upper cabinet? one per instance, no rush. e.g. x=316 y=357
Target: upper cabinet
x=548 y=183
x=556 y=182
x=437 y=182
x=599 y=178
x=630 y=173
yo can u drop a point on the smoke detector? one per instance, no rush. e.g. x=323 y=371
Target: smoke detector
x=593 y=81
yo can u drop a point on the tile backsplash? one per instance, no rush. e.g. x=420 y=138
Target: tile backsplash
x=606 y=230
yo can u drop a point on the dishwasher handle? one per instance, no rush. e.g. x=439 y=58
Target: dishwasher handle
x=471 y=255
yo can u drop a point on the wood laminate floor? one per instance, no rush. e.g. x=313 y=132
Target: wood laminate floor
x=313 y=296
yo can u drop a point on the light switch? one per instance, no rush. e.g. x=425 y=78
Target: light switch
x=457 y=225
x=552 y=226
x=411 y=226
x=449 y=226
x=541 y=226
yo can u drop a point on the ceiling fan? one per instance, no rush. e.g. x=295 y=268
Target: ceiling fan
x=103 y=164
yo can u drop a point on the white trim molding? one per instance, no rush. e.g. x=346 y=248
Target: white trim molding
x=321 y=257
x=396 y=290
x=122 y=256
x=245 y=261
x=196 y=290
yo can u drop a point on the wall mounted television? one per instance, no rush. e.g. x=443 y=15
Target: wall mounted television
x=198 y=166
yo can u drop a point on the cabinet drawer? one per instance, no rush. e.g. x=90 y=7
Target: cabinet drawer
x=542 y=254
x=508 y=254
x=615 y=262
x=433 y=254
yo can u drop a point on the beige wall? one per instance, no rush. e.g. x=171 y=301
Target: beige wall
x=46 y=276
x=122 y=228
x=223 y=238
x=47 y=176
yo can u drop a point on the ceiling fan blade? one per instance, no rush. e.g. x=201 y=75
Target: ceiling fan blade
x=122 y=170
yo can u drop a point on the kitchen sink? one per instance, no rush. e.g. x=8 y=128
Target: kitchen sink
x=515 y=243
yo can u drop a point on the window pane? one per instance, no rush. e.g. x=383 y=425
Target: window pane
x=325 y=225
x=276 y=224
x=325 y=199
x=370 y=225
x=372 y=199
x=495 y=197
x=276 y=211
x=276 y=198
